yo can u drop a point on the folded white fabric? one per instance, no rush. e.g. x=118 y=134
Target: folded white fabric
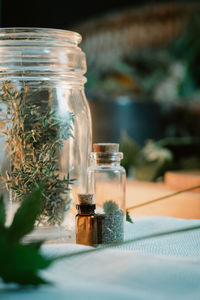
x=159 y=268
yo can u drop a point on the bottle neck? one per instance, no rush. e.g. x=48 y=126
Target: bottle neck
x=106 y=158
x=86 y=209
x=106 y=164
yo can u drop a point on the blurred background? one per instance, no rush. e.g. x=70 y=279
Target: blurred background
x=143 y=75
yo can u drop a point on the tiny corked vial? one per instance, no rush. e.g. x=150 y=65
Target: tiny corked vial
x=86 y=221
x=106 y=179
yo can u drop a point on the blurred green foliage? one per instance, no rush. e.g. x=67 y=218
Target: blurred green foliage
x=156 y=157
x=166 y=73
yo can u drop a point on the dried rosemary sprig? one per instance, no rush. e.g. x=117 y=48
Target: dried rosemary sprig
x=35 y=134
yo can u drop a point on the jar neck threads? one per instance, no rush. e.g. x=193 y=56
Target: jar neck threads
x=41 y=53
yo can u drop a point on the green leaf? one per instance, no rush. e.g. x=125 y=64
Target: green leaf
x=2 y=212
x=21 y=264
x=128 y=217
x=29 y=278
x=35 y=245
x=25 y=216
x=2 y=247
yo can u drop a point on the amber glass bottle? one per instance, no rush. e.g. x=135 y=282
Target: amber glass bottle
x=86 y=221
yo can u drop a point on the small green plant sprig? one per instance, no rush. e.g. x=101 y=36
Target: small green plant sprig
x=128 y=217
x=110 y=207
x=34 y=138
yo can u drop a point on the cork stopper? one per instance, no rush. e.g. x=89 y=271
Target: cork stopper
x=106 y=147
x=85 y=198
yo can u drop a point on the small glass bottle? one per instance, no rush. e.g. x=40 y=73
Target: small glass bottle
x=86 y=222
x=106 y=179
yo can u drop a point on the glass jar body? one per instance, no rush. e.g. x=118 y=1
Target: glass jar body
x=45 y=124
x=107 y=181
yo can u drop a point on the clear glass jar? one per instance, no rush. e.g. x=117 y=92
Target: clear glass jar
x=45 y=123
x=106 y=179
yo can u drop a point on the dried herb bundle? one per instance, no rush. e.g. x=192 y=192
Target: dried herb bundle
x=35 y=134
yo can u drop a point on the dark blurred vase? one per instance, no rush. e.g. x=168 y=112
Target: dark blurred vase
x=141 y=120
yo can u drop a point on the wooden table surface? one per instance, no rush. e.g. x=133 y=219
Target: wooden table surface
x=185 y=205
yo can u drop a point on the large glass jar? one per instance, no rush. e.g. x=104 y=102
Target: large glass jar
x=45 y=124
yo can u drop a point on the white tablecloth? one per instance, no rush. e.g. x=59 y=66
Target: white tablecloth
x=167 y=267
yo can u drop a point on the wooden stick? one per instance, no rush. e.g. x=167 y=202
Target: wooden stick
x=163 y=198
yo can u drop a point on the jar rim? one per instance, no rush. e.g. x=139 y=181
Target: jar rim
x=9 y=33
x=41 y=52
